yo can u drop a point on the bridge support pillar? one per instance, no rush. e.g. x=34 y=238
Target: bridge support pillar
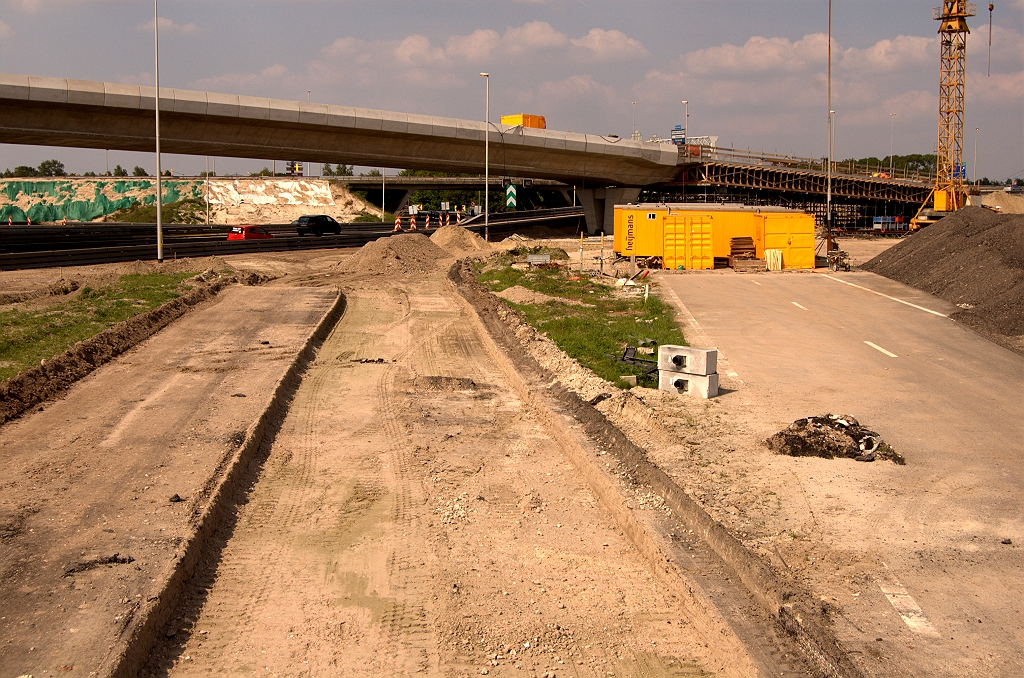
x=599 y=206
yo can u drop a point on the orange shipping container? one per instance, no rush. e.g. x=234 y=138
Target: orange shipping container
x=526 y=120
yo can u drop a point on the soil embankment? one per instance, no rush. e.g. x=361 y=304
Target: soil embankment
x=974 y=259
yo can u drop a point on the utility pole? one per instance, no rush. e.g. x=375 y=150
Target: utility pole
x=828 y=176
x=990 y=8
x=976 y=130
x=892 y=133
x=159 y=185
x=487 y=154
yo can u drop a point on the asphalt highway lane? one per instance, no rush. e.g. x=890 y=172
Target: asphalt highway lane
x=949 y=400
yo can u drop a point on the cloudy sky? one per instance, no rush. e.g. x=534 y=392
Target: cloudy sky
x=752 y=70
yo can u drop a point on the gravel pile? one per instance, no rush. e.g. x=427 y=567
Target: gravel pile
x=406 y=253
x=974 y=259
x=830 y=436
x=458 y=240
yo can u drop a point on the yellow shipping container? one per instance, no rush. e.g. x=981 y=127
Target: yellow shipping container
x=526 y=120
x=692 y=235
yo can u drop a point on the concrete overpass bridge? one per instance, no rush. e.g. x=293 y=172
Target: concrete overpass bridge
x=603 y=169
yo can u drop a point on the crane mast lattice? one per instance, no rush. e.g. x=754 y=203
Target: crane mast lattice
x=951 y=171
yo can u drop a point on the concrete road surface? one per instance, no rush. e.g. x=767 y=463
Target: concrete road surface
x=934 y=579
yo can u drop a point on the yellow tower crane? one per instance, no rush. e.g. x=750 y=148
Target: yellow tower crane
x=949 y=194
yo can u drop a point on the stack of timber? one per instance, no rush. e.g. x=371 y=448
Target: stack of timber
x=743 y=255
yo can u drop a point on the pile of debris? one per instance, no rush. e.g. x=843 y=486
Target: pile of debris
x=406 y=253
x=458 y=240
x=830 y=436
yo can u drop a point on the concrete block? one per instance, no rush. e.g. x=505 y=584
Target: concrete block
x=51 y=90
x=14 y=86
x=696 y=385
x=86 y=92
x=688 y=359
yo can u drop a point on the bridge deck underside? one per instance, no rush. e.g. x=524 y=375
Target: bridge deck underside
x=804 y=182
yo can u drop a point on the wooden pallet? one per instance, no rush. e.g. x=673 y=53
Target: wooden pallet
x=749 y=265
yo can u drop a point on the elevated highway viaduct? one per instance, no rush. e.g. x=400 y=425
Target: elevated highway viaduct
x=604 y=170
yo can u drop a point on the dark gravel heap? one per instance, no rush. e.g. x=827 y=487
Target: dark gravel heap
x=830 y=436
x=974 y=259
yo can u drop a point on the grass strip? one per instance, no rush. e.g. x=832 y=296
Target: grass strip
x=591 y=321
x=30 y=336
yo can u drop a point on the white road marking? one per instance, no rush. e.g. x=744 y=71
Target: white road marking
x=703 y=339
x=907 y=607
x=756 y=283
x=879 y=348
x=902 y=301
x=798 y=305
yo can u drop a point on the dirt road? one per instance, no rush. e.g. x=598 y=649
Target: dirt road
x=88 y=527
x=414 y=516
x=916 y=559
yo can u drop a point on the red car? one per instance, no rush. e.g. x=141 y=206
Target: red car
x=249 y=233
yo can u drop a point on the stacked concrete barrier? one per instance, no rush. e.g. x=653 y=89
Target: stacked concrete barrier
x=688 y=371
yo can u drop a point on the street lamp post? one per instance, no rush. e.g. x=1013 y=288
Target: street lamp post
x=633 y=131
x=976 y=130
x=892 y=133
x=159 y=184
x=686 y=122
x=828 y=180
x=487 y=154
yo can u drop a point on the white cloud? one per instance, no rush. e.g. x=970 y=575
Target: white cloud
x=169 y=26
x=263 y=79
x=606 y=45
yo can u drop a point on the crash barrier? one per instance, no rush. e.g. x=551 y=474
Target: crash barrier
x=688 y=371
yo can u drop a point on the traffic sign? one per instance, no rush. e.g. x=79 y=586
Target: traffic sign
x=510 y=196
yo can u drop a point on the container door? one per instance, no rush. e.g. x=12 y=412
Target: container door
x=675 y=243
x=688 y=243
x=700 y=248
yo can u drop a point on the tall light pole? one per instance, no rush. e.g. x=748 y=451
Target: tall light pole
x=633 y=131
x=686 y=122
x=892 y=134
x=976 y=130
x=828 y=180
x=487 y=154
x=159 y=184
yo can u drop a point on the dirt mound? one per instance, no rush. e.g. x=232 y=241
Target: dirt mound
x=1008 y=203
x=831 y=436
x=409 y=253
x=458 y=240
x=443 y=384
x=974 y=259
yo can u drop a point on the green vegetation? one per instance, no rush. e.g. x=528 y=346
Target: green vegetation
x=47 y=168
x=368 y=217
x=594 y=323
x=188 y=211
x=29 y=336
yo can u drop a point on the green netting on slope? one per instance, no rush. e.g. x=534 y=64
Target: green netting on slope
x=57 y=198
